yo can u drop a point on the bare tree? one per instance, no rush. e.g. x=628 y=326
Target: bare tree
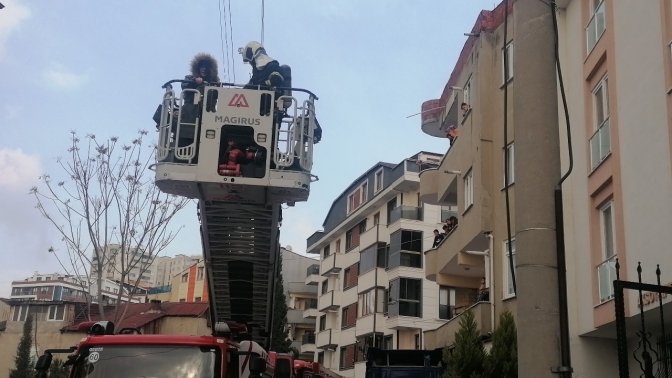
x=111 y=217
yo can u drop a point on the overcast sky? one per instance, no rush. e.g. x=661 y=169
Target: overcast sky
x=98 y=66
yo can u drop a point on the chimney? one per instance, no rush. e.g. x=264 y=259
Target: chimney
x=155 y=305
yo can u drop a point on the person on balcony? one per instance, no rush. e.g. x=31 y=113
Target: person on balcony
x=438 y=238
x=483 y=292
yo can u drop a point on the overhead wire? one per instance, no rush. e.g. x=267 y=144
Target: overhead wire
x=262 y=20
x=222 y=32
x=233 y=59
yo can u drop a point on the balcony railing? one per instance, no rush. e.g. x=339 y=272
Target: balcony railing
x=308 y=338
x=600 y=144
x=313 y=269
x=406 y=212
x=595 y=28
x=606 y=273
x=300 y=288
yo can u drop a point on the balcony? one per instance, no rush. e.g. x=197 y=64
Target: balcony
x=301 y=288
x=308 y=343
x=310 y=311
x=329 y=302
x=449 y=264
x=373 y=278
x=374 y=234
x=313 y=275
x=296 y=317
x=445 y=335
x=365 y=325
x=332 y=264
x=406 y=212
x=327 y=340
x=606 y=273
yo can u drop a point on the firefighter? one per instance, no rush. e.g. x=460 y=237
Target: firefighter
x=265 y=70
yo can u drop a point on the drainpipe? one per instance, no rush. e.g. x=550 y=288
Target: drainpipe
x=491 y=295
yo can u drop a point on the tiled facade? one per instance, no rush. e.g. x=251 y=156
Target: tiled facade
x=616 y=58
x=371 y=284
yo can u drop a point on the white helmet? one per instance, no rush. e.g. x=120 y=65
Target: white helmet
x=251 y=50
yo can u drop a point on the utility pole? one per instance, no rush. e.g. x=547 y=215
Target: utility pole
x=537 y=167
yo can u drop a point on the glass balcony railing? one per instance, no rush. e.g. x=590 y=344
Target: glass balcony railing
x=606 y=273
x=600 y=145
x=406 y=212
x=308 y=338
x=313 y=269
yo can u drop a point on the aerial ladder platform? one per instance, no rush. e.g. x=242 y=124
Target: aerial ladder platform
x=241 y=153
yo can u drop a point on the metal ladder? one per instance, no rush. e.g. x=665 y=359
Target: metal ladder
x=240 y=246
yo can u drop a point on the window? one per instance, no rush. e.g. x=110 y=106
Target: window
x=325 y=286
x=344 y=317
x=405 y=297
x=508 y=154
x=607 y=269
x=387 y=343
x=39 y=278
x=320 y=358
x=338 y=246
x=508 y=284
x=468 y=190
x=600 y=142
x=358 y=197
x=370 y=301
x=56 y=312
x=378 y=181
x=44 y=289
x=405 y=249
x=346 y=278
x=507 y=62
x=347 y=357
x=183 y=300
x=199 y=273
x=323 y=322
x=197 y=299
x=597 y=25
x=372 y=257
x=444 y=303
x=466 y=92
x=20 y=313
x=376 y=218
x=185 y=277
x=327 y=251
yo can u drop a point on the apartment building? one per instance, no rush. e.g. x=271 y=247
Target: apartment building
x=62 y=287
x=617 y=201
x=138 y=265
x=190 y=285
x=372 y=289
x=301 y=302
x=471 y=178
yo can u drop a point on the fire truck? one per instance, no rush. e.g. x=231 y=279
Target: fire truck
x=242 y=153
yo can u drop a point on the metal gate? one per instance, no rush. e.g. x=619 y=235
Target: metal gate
x=653 y=353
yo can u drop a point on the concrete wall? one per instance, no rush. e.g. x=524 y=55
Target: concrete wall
x=294 y=267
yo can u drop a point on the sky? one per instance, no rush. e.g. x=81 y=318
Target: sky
x=97 y=67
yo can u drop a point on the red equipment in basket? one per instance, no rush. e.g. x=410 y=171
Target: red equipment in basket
x=233 y=160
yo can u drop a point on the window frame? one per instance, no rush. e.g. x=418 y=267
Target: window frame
x=603 y=237
x=200 y=273
x=508 y=181
x=593 y=11
x=466 y=92
x=378 y=181
x=508 y=291
x=468 y=189
x=363 y=197
x=604 y=126
x=507 y=56
x=322 y=323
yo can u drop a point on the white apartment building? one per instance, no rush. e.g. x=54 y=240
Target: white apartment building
x=140 y=266
x=61 y=287
x=372 y=289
